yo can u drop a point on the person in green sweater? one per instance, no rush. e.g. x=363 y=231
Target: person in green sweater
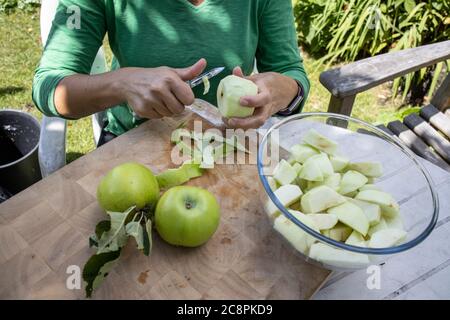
x=157 y=47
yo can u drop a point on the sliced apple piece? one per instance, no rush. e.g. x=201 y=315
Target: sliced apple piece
x=339 y=163
x=333 y=181
x=323 y=221
x=395 y=223
x=320 y=199
x=389 y=207
x=301 y=152
x=351 y=181
x=320 y=142
x=351 y=215
x=387 y=238
x=311 y=172
x=287 y=195
x=284 y=173
x=369 y=169
x=340 y=232
x=371 y=210
x=229 y=93
x=337 y=257
x=379 y=226
x=323 y=162
x=356 y=239
x=272 y=183
x=369 y=186
x=297 y=167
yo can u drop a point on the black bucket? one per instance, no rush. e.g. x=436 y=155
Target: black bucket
x=19 y=142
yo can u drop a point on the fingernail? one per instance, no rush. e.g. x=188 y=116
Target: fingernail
x=244 y=102
x=231 y=122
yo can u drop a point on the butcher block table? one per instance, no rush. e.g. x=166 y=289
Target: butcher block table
x=45 y=229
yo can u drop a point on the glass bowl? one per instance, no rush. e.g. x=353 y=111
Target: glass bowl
x=404 y=177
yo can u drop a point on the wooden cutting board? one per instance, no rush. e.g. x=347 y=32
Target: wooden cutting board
x=45 y=229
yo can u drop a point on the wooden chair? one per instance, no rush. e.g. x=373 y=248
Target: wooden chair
x=427 y=134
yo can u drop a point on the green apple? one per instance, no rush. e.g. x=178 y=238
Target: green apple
x=337 y=257
x=371 y=210
x=187 y=216
x=323 y=221
x=369 y=169
x=339 y=163
x=389 y=207
x=320 y=142
x=229 y=92
x=320 y=199
x=351 y=215
x=284 y=173
x=386 y=238
x=323 y=162
x=351 y=181
x=311 y=172
x=129 y=184
x=356 y=239
x=301 y=152
x=287 y=195
x=340 y=232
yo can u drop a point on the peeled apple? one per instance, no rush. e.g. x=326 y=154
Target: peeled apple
x=284 y=173
x=287 y=195
x=318 y=141
x=320 y=199
x=351 y=215
x=230 y=90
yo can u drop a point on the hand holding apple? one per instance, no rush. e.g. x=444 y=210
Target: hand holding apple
x=275 y=93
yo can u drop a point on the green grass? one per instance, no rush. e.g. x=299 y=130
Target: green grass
x=21 y=48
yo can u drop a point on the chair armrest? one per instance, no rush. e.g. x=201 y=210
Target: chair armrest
x=52 y=145
x=362 y=75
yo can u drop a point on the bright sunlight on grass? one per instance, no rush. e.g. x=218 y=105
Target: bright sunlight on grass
x=21 y=49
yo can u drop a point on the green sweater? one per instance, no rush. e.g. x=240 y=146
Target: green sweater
x=174 y=33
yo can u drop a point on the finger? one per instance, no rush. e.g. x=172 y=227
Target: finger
x=257 y=101
x=237 y=71
x=152 y=114
x=192 y=71
x=253 y=122
x=183 y=92
x=172 y=103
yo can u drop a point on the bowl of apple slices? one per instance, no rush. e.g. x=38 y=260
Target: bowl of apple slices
x=344 y=194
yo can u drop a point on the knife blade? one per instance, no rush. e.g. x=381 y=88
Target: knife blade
x=209 y=74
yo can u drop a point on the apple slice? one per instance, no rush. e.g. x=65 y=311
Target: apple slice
x=371 y=210
x=284 y=173
x=369 y=169
x=369 y=186
x=395 y=223
x=293 y=233
x=337 y=257
x=323 y=221
x=297 y=167
x=319 y=199
x=339 y=163
x=320 y=142
x=323 y=162
x=351 y=181
x=356 y=239
x=351 y=215
x=389 y=207
x=333 y=181
x=287 y=195
x=340 y=232
x=272 y=183
x=387 y=238
x=301 y=152
x=311 y=172
x=379 y=226
x=230 y=91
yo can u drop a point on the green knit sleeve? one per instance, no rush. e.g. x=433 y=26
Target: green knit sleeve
x=76 y=35
x=277 y=45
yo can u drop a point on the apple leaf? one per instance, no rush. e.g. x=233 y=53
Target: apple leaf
x=147 y=233
x=116 y=236
x=97 y=268
x=100 y=228
x=136 y=230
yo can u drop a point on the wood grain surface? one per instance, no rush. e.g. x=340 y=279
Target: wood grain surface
x=45 y=229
